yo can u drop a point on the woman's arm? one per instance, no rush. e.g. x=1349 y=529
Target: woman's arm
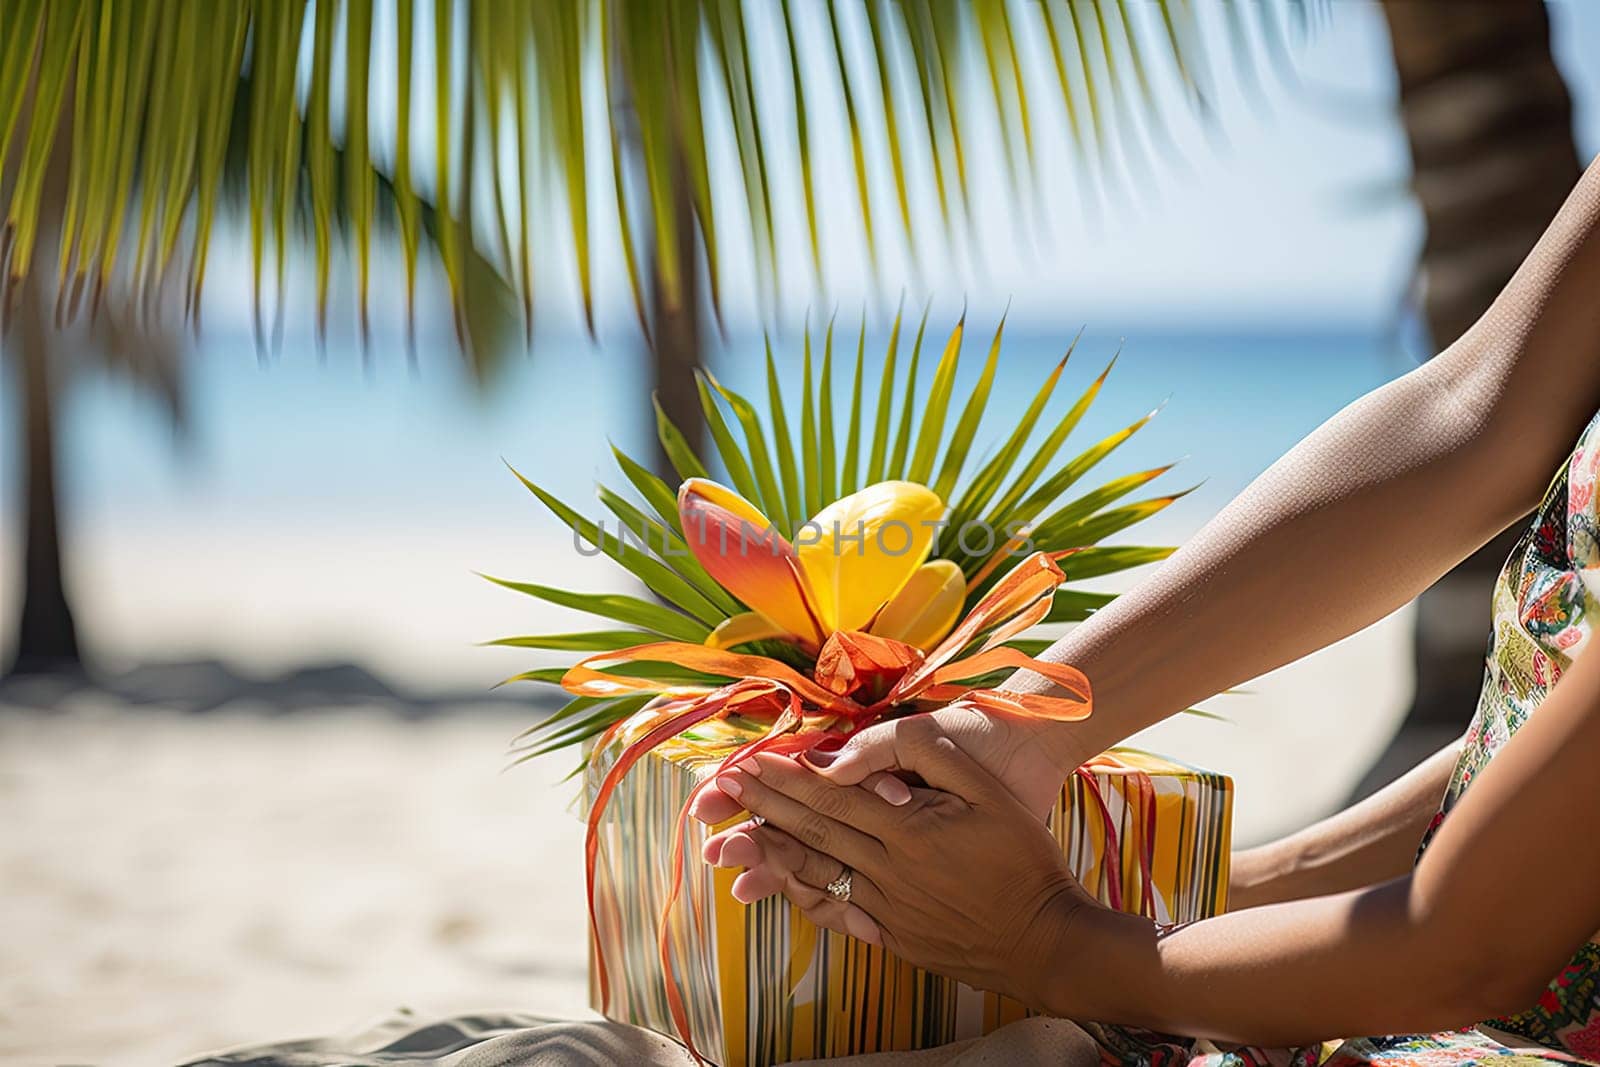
x=1352 y=523
x=1369 y=510
x=1503 y=896
x=961 y=881
x=1365 y=844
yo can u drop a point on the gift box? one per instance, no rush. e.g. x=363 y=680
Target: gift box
x=761 y=984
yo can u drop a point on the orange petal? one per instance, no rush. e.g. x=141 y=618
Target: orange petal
x=926 y=606
x=738 y=546
x=857 y=552
x=863 y=666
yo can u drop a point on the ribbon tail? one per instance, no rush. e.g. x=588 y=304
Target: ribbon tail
x=1147 y=858
x=1113 y=857
x=1034 y=705
x=786 y=724
x=696 y=710
x=669 y=974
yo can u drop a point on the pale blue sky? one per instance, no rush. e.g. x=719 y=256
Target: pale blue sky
x=1289 y=208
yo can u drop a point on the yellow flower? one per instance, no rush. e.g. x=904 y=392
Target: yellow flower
x=859 y=565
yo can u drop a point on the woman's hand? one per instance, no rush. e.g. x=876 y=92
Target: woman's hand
x=961 y=878
x=1031 y=758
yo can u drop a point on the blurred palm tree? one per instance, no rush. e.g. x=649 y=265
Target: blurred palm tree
x=485 y=130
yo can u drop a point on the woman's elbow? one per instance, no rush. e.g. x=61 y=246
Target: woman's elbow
x=1463 y=966
x=1499 y=424
x=1483 y=980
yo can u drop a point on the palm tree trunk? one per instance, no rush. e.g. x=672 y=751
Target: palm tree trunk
x=676 y=322
x=47 y=638
x=1489 y=121
x=678 y=332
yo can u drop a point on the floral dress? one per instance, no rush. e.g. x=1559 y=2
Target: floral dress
x=1546 y=602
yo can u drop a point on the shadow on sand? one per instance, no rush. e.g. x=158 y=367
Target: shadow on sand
x=198 y=686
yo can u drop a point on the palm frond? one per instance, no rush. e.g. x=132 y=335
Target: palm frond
x=149 y=99
x=1034 y=505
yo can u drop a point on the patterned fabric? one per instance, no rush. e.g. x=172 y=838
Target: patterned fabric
x=1451 y=1048
x=1544 y=609
x=1545 y=603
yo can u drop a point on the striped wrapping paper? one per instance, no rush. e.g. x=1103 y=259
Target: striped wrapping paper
x=763 y=985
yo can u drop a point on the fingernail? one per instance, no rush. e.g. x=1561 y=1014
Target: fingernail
x=739 y=852
x=712 y=851
x=750 y=767
x=729 y=783
x=893 y=790
x=818 y=758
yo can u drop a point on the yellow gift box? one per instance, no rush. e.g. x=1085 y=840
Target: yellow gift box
x=762 y=984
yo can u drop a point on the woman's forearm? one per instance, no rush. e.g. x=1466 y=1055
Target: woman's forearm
x=1366 y=512
x=1279 y=976
x=1500 y=900
x=1365 y=844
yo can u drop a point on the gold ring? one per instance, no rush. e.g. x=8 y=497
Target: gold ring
x=839 y=888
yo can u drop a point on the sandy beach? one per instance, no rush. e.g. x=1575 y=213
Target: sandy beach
x=173 y=883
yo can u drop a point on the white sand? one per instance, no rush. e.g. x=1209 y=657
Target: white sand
x=170 y=884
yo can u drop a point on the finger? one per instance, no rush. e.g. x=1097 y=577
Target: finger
x=805 y=886
x=849 y=805
x=774 y=857
x=892 y=789
x=922 y=748
x=852 y=916
x=712 y=806
x=776 y=862
x=787 y=855
x=711 y=851
x=814 y=828
x=804 y=874
x=845 y=919
x=759 y=883
x=867 y=753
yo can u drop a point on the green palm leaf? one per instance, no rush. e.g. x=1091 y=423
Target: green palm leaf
x=827 y=454
x=783 y=441
x=771 y=496
x=955 y=456
x=658 y=577
x=666 y=543
x=1094 y=562
x=849 y=480
x=877 y=471
x=810 y=458
x=153 y=126
x=635 y=612
x=932 y=429
x=591 y=641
